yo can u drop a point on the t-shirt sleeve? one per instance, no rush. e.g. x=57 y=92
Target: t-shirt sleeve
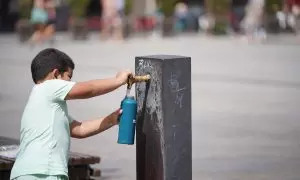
x=60 y=89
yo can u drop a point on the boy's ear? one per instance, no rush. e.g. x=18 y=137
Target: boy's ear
x=55 y=73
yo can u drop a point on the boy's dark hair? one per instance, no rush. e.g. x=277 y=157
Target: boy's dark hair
x=47 y=60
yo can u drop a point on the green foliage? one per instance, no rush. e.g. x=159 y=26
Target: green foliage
x=128 y=6
x=78 y=7
x=167 y=7
x=220 y=28
x=25 y=8
x=218 y=7
x=272 y=6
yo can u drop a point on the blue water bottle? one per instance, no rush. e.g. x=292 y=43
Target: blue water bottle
x=127 y=121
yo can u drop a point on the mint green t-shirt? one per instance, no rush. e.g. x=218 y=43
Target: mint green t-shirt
x=45 y=131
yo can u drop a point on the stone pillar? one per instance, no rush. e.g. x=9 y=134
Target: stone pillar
x=163 y=129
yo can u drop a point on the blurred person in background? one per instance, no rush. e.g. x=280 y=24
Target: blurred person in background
x=238 y=13
x=39 y=18
x=112 y=14
x=253 y=20
x=207 y=22
x=196 y=9
x=43 y=18
x=187 y=15
x=50 y=26
x=181 y=16
x=288 y=15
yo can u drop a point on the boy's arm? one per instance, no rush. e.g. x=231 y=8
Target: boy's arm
x=89 y=89
x=92 y=127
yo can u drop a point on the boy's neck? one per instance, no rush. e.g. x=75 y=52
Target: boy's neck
x=46 y=79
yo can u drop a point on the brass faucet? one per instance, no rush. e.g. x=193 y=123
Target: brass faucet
x=134 y=79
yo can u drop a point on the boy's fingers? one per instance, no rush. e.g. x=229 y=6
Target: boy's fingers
x=119 y=115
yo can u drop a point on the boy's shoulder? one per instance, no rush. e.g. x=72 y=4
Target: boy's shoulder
x=56 y=88
x=55 y=83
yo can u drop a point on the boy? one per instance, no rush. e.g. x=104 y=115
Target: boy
x=46 y=127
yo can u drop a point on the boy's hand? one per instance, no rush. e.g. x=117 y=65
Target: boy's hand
x=122 y=76
x=88 y=89
x=114 y=117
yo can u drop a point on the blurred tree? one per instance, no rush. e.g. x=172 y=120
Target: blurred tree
x=25 y=8
x=218 y=7
x=167 y=7
x=78 y=24
x=127 y=19
x=24 y=28
x=270 y=19
x=272 y=6
x=128 y=7
x=220 y=10
x=78 y=8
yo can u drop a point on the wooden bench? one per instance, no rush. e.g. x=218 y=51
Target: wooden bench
x=79 y=164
